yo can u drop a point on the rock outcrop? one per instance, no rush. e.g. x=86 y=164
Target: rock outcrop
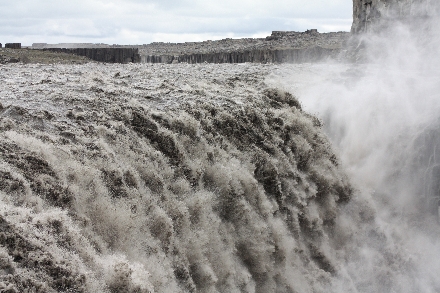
x=108 y=55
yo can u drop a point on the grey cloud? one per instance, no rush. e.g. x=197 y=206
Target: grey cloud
x=106 y=20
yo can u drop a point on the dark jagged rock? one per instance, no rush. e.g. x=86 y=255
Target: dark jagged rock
x=382 y=17
x=108 y=55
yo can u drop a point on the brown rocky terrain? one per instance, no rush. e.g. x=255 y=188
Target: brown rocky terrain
x=37 y=56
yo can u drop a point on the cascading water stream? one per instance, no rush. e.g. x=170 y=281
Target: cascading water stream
x=382 y=117
x=215 y=178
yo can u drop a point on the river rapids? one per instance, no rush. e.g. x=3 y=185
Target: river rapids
x=216 y=178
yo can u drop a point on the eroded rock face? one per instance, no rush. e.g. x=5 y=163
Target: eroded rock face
x=368 y=13
x=13 y=45
x=108 y=55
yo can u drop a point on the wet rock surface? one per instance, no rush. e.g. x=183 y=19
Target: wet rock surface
x=380 y=22
x=375 y=15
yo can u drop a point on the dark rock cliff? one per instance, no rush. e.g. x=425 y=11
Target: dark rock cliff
x=313 y=54
x=371 y=14
x=108 y=55
x=279 y=47
x=13 y=45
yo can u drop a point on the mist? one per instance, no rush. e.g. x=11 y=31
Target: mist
x=382 y=117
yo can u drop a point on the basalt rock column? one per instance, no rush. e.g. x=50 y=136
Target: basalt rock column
x=107 y=55
x=13 y=45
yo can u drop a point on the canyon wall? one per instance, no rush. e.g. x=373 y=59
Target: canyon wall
x=108 y=55
x=293 y=55
x=279 y=47
x=368 y=14
x=13 y=45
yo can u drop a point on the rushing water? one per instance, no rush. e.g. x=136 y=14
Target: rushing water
x=382 y=118
x=214 y=178
x=136 y=178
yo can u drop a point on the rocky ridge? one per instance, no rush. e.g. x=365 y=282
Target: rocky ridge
x=280 y=47
x=277 y=40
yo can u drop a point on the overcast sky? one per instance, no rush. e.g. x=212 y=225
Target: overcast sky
x=143 y=22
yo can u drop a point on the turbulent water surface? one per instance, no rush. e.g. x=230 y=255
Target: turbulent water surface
x=136 y=178
x=215 y=178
